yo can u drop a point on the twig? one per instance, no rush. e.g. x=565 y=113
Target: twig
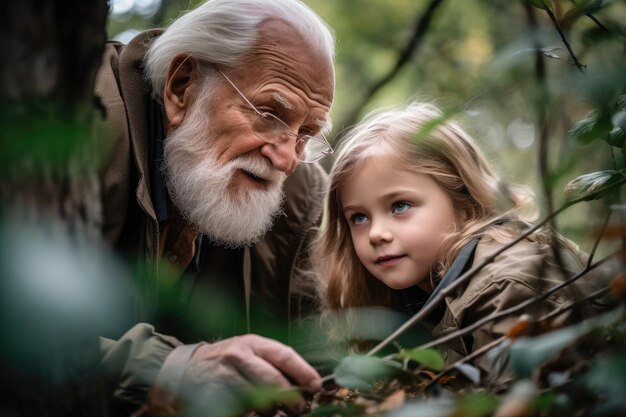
x=597 y=22
x=486 y=348
x=597 y=242
x=422 y=25
x=475 y=354
x=580 y=67
x=542 y=121
x=540 y=72
x=593 y=18
x=574 y=304
x=515 y=309
x=505 y=313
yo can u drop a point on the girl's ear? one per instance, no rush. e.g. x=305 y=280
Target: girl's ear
x=179 y=88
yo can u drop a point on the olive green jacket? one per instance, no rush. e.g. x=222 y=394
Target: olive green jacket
x=130 y=226
x=522 y=272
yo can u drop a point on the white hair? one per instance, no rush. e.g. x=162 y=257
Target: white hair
x=223 y=31
x=199 y=185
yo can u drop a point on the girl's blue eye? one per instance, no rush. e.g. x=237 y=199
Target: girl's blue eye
x=400 y=207
x=358 y=218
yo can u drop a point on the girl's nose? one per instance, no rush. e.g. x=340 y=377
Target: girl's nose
x=379 y=234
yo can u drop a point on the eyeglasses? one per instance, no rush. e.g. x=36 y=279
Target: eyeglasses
x=271 y=129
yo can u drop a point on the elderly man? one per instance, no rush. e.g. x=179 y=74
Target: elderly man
x=216 y=124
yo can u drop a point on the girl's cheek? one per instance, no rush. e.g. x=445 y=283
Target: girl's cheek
x=360 y=246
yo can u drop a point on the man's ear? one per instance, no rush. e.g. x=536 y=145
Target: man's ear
x=179 y=88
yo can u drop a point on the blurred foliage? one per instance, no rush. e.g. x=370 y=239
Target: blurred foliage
x=577 y=370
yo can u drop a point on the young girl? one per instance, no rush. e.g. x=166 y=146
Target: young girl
x=412 y=205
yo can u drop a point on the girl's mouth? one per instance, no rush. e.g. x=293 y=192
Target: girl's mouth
x=389 y=260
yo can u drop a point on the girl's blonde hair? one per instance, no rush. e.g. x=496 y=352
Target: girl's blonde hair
x=424 y=140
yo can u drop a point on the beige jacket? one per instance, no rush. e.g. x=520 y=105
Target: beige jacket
x=522 y=272
x=131 y=227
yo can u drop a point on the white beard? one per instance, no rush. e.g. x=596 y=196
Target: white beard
x=199 y=186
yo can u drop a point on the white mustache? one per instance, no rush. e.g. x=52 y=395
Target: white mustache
x=258 y=167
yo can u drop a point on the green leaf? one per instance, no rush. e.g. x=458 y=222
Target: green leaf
x=591 y=185
x=545 y=402
x=343 y=410
x=529 y=353
x=265 y=397
x=619 y=119
x=440 y=407
x=591 y=128
x=583 y=127
x=606 y=378
x=621 y=102
x=617 y=137
x=430 y=358
x=478 y=405
x=361 y=372
x=540 y=4
x=581 y=8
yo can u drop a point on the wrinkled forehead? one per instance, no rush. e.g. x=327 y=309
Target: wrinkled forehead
x=284 y=52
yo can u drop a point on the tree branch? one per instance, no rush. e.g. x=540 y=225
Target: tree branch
x=542 y=121
x=475 y=354
x=593 y=18
x=486 y=348
x=422 y=24
x=515 y=309
x=580 y=66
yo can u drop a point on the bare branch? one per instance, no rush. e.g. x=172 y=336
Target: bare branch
x=593 y=18
x=572 y=305
x=486 y=348
x=580 y=66
x=597 y=242
x=597 y=22
x=543 y=123
x=422 y=24
x=515 y=309
x=475 y=354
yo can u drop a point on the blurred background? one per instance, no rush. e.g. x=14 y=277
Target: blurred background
x=501 y=66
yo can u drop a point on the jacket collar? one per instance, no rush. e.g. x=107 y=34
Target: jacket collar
x=459 y=266
x=136 y=94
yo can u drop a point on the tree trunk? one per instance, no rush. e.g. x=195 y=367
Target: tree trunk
x=51 y=52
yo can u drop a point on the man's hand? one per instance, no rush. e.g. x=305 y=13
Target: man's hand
x=254 y=359
x=217 y=374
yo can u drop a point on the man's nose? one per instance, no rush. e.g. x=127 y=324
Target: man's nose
x=282 y=155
